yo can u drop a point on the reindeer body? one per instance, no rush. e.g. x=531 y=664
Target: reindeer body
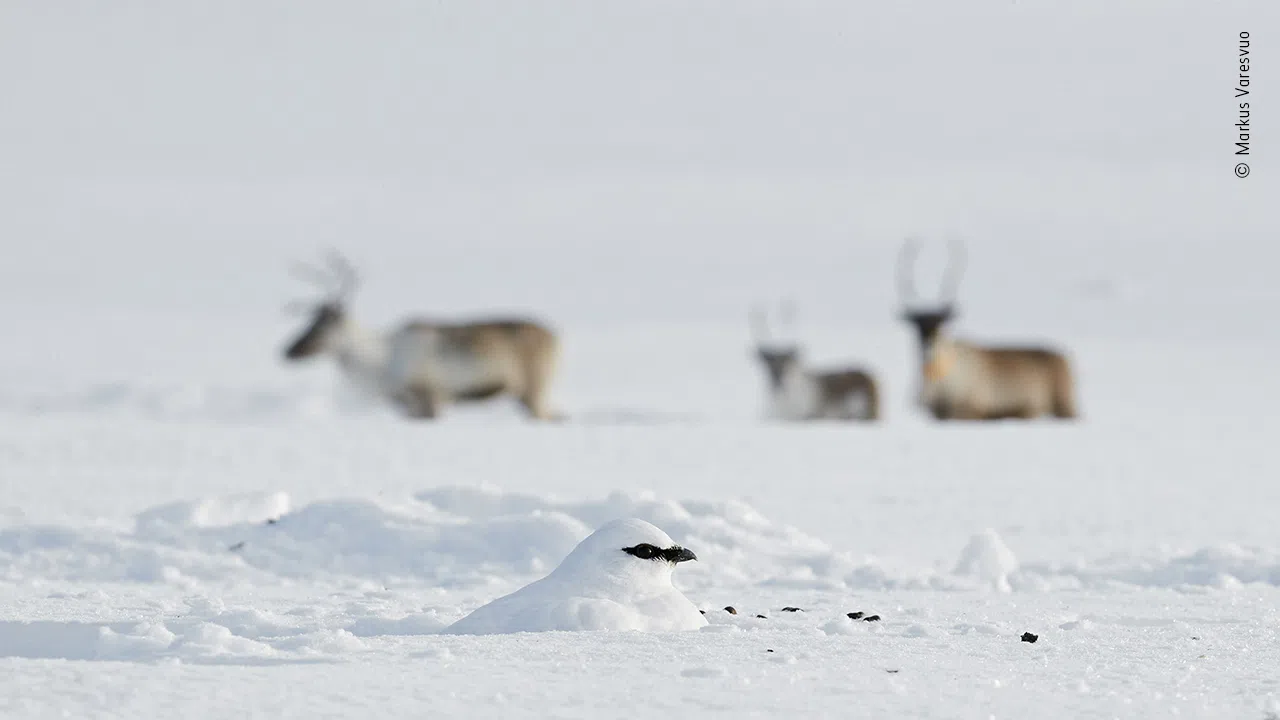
x=434 y=364
x=797 y=393
x=835 y=395
x=423 y=366
x=964 y=381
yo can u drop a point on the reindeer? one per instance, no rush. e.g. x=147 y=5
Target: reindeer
x=423 y=366
x=964 y=381
x=797 y=393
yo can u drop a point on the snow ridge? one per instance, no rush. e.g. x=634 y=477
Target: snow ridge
x=483 y=539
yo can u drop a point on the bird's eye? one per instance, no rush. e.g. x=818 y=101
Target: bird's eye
x=644 y=551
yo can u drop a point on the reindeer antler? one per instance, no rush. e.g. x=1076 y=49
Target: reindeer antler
x=336 y=278
x=950 y=278
x=955 y=270
x=906 y=270
x=785 y=313
x=345 y=273
x=308 y=273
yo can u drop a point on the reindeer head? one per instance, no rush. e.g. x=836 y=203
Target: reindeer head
x=928 y=320
x=337 y=278
x=779 y=357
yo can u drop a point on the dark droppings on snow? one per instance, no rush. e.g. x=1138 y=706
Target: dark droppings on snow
x=792 y=609
x=237 y=547
x=892 y=672
x=769 y=650
x=272 y=521
x=762 y=617
x=704 y=612
x=730 y=609
x=871 y=618
x=1028 y=637
x=856 y=615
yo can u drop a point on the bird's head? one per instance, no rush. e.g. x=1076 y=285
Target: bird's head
x=629 y=550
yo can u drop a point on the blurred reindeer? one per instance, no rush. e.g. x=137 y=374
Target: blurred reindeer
x=423 y=366
x=798 y=393
x=964 y=381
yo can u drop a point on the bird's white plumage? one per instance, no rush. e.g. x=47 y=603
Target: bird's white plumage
x=596 y=587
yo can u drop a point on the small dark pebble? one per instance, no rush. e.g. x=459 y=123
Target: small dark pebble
x=237 y=546
x=769 y=650
x=704 y=612
x=791 y=609
x=762 y=617
x=871 y=618
x=730 y=609
x=1028 y=637
x=856 y=615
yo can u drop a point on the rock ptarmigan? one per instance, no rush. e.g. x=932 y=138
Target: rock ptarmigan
x=618 y=578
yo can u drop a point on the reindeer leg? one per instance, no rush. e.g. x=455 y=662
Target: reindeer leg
x=942 y=409
x=536 y=387
x=537 y=371
x=419 y=403
x=536 y=407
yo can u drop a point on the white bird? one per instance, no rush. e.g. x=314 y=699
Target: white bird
x=619 y=578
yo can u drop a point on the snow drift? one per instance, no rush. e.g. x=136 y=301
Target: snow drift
x=482 y=540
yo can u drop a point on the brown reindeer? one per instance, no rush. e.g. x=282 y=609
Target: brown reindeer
x=798 y=393
x=965 y=381
x=423 y=366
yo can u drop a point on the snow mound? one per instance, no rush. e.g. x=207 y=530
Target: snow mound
x=1224 y=565
x=213 y=513
x=203 y=632
x=734 y=542
x=444 y=537
x=989 y=560
x=487 y=542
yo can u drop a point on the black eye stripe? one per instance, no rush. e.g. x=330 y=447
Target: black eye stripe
x=674 y=554
x=644 y=551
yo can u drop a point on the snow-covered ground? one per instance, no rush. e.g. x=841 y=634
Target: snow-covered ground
x=190 y=528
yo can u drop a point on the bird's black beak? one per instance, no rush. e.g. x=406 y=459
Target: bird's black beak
x=678 y=554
